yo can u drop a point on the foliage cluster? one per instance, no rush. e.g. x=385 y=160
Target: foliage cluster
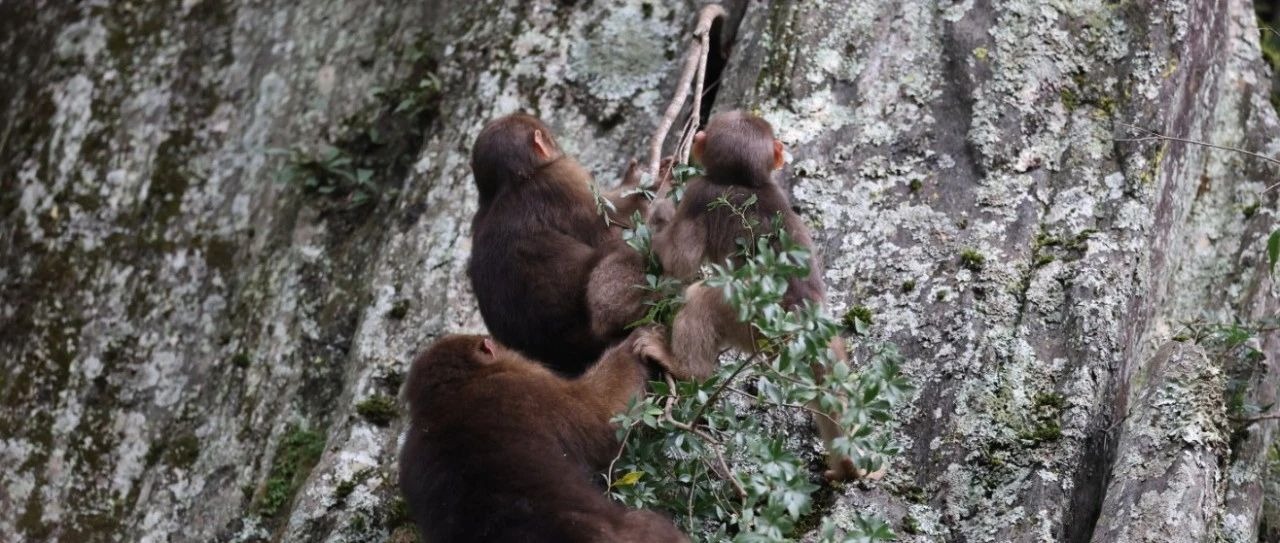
x=715 y=453
x=357 y=169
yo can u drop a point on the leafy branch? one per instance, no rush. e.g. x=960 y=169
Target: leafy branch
x=705 y=450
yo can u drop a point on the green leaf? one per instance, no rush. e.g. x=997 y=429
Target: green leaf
x=1273 y=250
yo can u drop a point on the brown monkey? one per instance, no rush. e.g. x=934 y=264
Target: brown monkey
x=739 y=154
x=552 y=279
x=501 y=449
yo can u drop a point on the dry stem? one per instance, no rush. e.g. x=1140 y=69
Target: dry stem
x=694 y=64
x=1153 y=135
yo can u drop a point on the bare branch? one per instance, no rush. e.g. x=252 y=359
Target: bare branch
x=810 y=410
x=1258 y=418
x=1153 y=135
x=695 y=113
x=695 y=58
x=622 y=446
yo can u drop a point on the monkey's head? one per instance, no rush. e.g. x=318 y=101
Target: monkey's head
x=450 y=363
x=738 y=148
x=509 y=149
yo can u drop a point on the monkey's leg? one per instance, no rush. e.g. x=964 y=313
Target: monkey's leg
x=614 y=297
x=704 y=324
x=839 y=467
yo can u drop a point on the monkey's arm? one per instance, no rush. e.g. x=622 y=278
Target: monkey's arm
x=626 y=200
x=614 y=297
x=619 y=375
x=681 y=247
x=636 y=201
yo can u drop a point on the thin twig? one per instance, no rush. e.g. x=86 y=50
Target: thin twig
x=1259 y=418
x=608 y=475
x=701 y=33
x=712 y=443
x=1153 y=135
x=728 y=381
x=715 y=445
x=811 y=410
x=693 y=484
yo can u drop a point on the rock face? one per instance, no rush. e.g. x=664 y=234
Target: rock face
x=227 y=226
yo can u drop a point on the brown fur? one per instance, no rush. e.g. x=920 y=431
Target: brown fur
x=739 y=153
x=501 y=449
x=552 y=279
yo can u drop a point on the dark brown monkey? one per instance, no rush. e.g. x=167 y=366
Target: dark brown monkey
x=552 y=279
x=501 y=449
x=739 y=154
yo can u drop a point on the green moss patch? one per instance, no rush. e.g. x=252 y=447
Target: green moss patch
x=971 y=259
x=379 y=410
x=299 y=451
x=858 y=319
x=398 y=310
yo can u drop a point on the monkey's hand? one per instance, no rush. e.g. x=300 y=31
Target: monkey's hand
x=650 y=343
x=631 y=177
x=665 y=180
x=843 y=469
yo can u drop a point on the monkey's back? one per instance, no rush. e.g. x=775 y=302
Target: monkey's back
x=532 y=253
x=510 y=462
x=723 y=228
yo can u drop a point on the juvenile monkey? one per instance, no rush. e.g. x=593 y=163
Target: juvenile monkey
x=551 y=277
x=501 y=449
x=739 y=154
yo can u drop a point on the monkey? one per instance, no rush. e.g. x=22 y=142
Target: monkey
x=500 y=448
x=739 y=154
x=552 y=278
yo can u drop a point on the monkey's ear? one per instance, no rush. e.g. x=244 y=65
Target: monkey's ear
x=488 y=348
x=699 y=143
x=779 y=155
x=542 y=145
